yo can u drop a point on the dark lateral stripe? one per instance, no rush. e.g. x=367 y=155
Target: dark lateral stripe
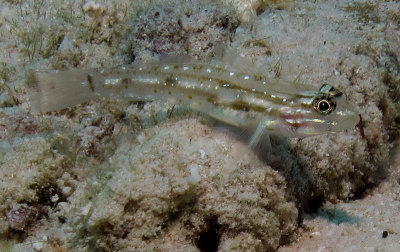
x=200 y=76
x=168 y=76
x=241 y=105
x=169 y=79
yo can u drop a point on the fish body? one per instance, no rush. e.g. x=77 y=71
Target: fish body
x=238 y=97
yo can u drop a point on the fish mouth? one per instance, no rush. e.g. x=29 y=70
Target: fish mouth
x=303 y=123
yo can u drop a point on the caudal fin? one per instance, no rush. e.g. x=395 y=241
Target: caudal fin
x=50 y=91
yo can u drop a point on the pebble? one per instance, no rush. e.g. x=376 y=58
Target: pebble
x=37 y=246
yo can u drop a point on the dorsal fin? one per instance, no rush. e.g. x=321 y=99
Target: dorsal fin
x=180 y=58
x=231 y=59
x=328 y=89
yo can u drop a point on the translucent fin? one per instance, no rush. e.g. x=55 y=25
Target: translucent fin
x=58 y=90
x=231 y=59
x=259 y=144
x=255 y=138
x=167 y=58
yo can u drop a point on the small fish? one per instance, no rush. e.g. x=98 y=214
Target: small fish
x=239 y=96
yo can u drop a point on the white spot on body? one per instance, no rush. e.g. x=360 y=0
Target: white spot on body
x=284 y=99
x=246 y=77
x=112 y=82
x=185 y=68
x=253 y=89
x=208 y=70
x=166 y=67
x=231 y=74
x=290 y=121
x=273 y=96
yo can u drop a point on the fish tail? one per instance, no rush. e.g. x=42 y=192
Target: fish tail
x=51 y=91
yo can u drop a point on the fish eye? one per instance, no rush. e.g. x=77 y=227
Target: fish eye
x=324 y=106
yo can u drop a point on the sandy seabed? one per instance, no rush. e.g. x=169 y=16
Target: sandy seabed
x=114 y=175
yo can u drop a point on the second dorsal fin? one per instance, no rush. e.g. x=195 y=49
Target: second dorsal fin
x=230 y=58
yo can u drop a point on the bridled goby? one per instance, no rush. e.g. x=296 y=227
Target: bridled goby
x=241 y=97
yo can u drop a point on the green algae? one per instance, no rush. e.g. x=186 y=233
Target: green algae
x=8 y=97
x=365 y=11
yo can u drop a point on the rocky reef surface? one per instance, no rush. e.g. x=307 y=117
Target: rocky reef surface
x=118 y=175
